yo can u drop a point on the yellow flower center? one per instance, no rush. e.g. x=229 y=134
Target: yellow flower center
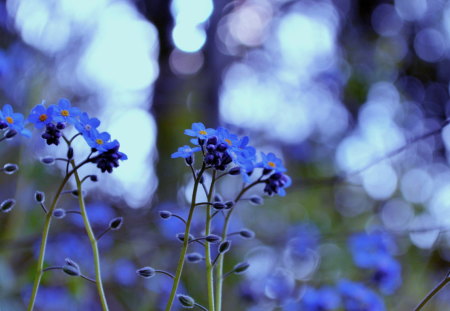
x=99 y=141
x=65 y=113
x=43 y=117
x=228 y=142
x=271 y=164
x=202 y=132
x=9 y=120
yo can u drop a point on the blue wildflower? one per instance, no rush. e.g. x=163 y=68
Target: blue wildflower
x=99 y=141
x=64 y=112
x=13 y=120
x=225 y=137
x=270 y=163
x=323 y=299
x=387 y=275
x=185 y=152
x=368 y=249
x=357 y=297
x=199 y=131
x=41 y=116
x=85 y=124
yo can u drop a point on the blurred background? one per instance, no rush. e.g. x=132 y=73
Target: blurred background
x=334 y=87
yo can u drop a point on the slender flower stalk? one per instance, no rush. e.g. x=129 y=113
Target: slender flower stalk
x=433 y=292
x=92 y=239
x=177 y=278
x=209 y=265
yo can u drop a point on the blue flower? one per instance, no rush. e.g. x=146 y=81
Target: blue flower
x=357 y=297
x=323 y=299
x=270 y=162
x=185 y=152
x=100 y=141
x=14 y=120
x=199 y=131
x=41 y=116
x=64 y=112
x=85 y=124
x=224 y=136
x=369 y=249
x=387 y=275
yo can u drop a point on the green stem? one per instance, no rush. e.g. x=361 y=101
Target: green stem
x=92 y=239
x=219 y=264
x=40 y=265
x=209 y=265
x=433 y=292
x=177 y=278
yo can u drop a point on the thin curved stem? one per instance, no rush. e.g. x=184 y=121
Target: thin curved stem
x=177 y=277
x=92 y=240
x=209 y=265
x=165 y=273
x=433 y=292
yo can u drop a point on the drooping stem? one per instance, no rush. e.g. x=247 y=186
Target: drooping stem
x=177 y=278
x=92 y=239
x=433 y=292
x=219 y=264
x=209 y=265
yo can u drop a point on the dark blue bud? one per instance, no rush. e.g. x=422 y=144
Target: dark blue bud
x=247 y=234
x=201 y=141
x=93 y=178
x=189 y=160
x=235 y=170
x=212 y=238
x=219 y=205
x=218 y=198
x=276 y=176
x=7 y=205
x=71 y=263
x=60 y=126
x=59 y=213
x=3 y=125
x=266 y=171
x=222 y=147
x=194 y=257
x=165 y=214
x=71 y=268
x=210 y=148
x=256 y=200
x=229 y=204
x=116 y=223
x=186 y=301
x=241 y=267
x=10 y=168
x=146 y=272
x=48 y=160
x=180 y=236
x=70 y=153
x=10 y=134
x=224 y=247
x=39 y=197
x=209 y=158
x=212 y=140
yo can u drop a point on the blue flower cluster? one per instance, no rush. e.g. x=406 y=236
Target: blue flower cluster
x=55 y=118
x=374 y=251
x=223 y=151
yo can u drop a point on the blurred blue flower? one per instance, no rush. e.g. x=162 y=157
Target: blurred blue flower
x=185 y=152
x=303 y=238
x=369 y=249
x=14 y=120
x=271 y=162
x=226 y=137
x=41 y=116
x=387 y=275
x=322 y=299
x=85 y=125
x=64 y=112
x=357 y=297
x=199 y=130
x=125 y=272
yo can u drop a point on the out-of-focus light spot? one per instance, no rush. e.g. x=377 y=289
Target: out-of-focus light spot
x=430 y=45
x=261 y=260
x=416 y=186
x=446 y=137
x=81 y=11
x=385 y=20
x=301 y=265
x=424 y=232
x=136 y=132
x=115 y=59
x=380 y=181
x=411 y=9
x=439 y=206
x=280 y=285
x=248 y=23
x=396 y=215
x=39 y=27
x=185 y=63
x=188 y=38
x=192 y=12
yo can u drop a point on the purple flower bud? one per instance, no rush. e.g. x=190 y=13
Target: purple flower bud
x=70 y=153
x=10 y=134
x=219 y=205
x=186 y=301
x=7 y=205
x=229 y=204
x=235 y=170
x=146 y=272
x=10 y=168
x=39 y=197
x=247 y=234
x=116 y=223
x=165 y=214
x=194 y=257
x=48 y=160
x=241 y=267
x=256 y=200
x=212 y=238
x=224 y=247
x=59 y=213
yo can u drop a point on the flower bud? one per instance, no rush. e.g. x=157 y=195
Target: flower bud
x=116 y=223
x=256 y=200
x=212 y=238
x=93 y=178
x=60 y=126
x=247 y=234
x=180 y=236
x=194 y=257
x=165 y=214
x=212 y=140
x=71 y=268
x=10 y=134
x=218 y=198
x=10 y=168
x=7 y=205
x=219 y=205
x=70 y=153
x=186 y=301
x=241 y=267
x=229 y=204
x=48 y=160
x=235 y=170
x=59 y=213
x=189 y=160
x=72 y=263
x=3 y=125
x=224 y=247
x=146 y=272
x=221 y=147
x=39 y=197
